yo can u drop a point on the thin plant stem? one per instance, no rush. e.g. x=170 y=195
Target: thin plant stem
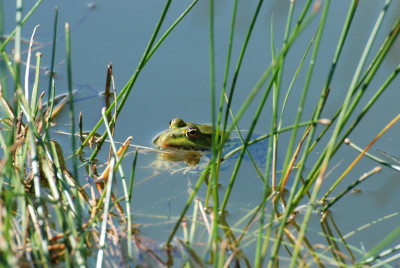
x=349 y=19
x=102 y=241
x=360 y=156
x=351 y=186
x=214 y=138
x=21 y=22
x=123 y=179
x=371 y=156
x=369 y=75
x=188 y=203
x=128 y=87
x=35 y=88
x=81 y=260
x=53 y=52
x=28 y=63
x=318 y=36
x=252 y=127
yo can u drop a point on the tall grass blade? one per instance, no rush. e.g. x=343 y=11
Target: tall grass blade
x=108 y=191
x=20 y=23
x=128 y=87
x=53 y=53
x=315 y=192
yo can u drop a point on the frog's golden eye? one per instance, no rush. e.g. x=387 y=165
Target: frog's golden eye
x=192 y=132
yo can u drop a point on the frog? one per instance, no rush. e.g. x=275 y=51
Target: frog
x=184 y=141
x=188 y=142
x=185 y=135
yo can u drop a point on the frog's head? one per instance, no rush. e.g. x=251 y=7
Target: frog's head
x=184 y=135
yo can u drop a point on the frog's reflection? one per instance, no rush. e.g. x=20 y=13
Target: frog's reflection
x=191 y=158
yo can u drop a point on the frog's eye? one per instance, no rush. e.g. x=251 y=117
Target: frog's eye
x=176 y=122
x=192 y=132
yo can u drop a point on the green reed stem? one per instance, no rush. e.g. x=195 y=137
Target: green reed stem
x=17 y=43
x=236 y=74
x=351 y=186
x=167 y=32
x=303 y=97
x=266 y=136
x=11 y=69
x=349 y=19
x=36 y=182
x=377 y=251
x=35 y=90
x=3 y=73
x=215 y=136
x=188 y=203
x=129 y=227
x=304 y=94
x=227 y=64
x=124 y=185
x=370 y=73
x=28 y=64
x=52 y=93
x=80 y=247
x=250 y=132
x=356 y=85
x=127 y=89
x=21 y=22
x=49 y=175
x=71 y=114
x=221 y=104
x=352 y=127
x=224 y=136
x=297 y=30
x=275 y=96
x=371 y=156
x=258 y=259
x=102 y=242
x=288 y=23
x=193 y=223
x=53 y=53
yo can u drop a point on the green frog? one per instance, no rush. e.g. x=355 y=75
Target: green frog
x=184 y=141
x=184 y=135
x=188 y=142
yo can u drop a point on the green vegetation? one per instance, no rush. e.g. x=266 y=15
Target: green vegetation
x=47 y=217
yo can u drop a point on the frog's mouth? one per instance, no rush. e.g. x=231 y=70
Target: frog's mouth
x=160 y=143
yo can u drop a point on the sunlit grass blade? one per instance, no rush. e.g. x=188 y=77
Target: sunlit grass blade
x=28 y=63
x=17 y=43
x=188 y=203
x=123 y=179
x=169 y=30
x=80 y=246
x=377 y=61
x=35 y=89
x=371 y=156
x=350 y=187
x=53 y=53
x=378 y=251
x=214 y=138
x=306 y=219
x=105 y=215
x=387 y=127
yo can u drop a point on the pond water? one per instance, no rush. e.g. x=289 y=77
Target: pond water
x=175 y=83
